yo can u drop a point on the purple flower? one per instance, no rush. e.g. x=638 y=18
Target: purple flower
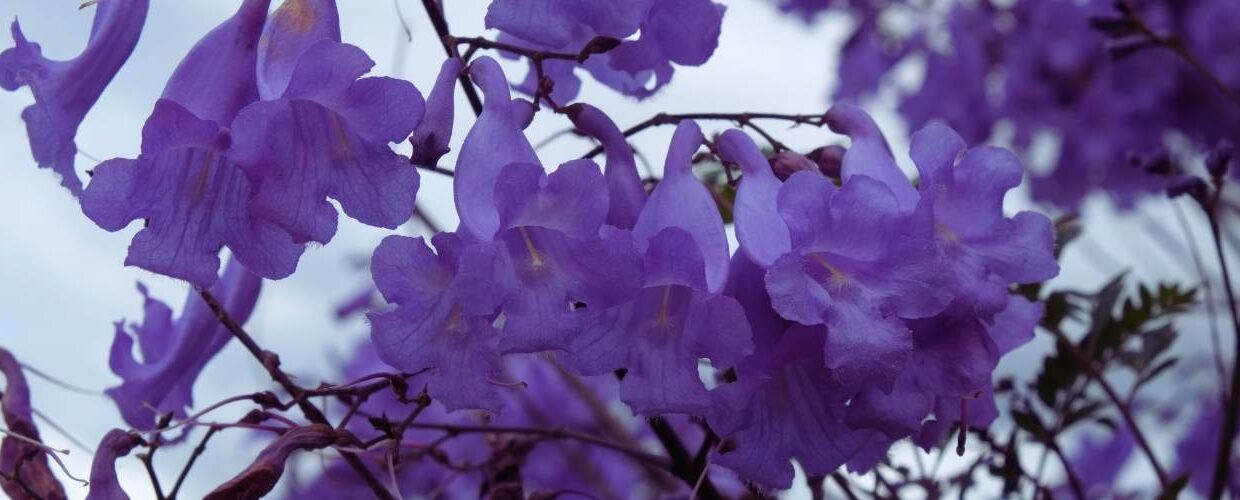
x=659 y=336
x=684 y=32
x=785 y=406
x=442 y=319
x=860 y=285
x=985 y=250
x=34 y=475
x=322 y=131
x=186 y=186
x=103 y=481
x=64 y=91
x=554 y=259
x=174 y=352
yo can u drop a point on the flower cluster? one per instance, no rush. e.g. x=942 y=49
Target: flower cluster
x=1062 y=77
x=857 y=309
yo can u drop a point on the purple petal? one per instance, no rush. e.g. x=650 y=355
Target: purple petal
x=379 y=109
x=671 y=259
x=549 y=274
x=572 y=200
x=787 y=410
x=293 y=29
x=217 y=78
x=680 y=200
x=1014 y=326
x=865 y=348
x=494 y=141
x=430 y=138
x=103 y=481
x=870 y=155
x=298 y=153
x=897 y=414
x=557 y=23
x=759 y=228
x=64 y=91
x=624 y=185
x=177 y=352
x=934 y=149
x=747 y=284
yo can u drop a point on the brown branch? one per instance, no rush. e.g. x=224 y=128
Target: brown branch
x=744 y=119
x=271 y=363
x=434 y=10
x=1117 y=401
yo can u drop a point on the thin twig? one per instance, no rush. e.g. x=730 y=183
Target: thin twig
x=271 y=363
x=740 y=118
x=198 y=451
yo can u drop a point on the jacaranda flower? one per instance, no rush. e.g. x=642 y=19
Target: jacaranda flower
x=64 y=91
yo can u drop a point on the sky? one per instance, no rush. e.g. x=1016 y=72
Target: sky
x=63 y=283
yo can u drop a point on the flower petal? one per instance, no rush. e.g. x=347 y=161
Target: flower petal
x=759 y=228
x=627 y=195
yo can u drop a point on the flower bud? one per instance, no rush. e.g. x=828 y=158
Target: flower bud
x=1218 y=160
x=786 y=163
x=830 y=160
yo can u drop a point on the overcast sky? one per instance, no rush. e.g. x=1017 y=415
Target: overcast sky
x=62 y=283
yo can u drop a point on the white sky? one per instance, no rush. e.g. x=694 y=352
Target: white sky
x=62 y=282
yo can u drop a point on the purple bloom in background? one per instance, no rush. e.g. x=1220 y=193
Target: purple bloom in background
x=1196 y=449
x=185 y=185
x=174 y=352
x=64 y=91
x=659 y=336
x=34 y=472
x=1098 y=461
x=785 y=406
x=322 y=131
x=415 y=477
x=103 y=481
x=684 y=32
x=442 y=319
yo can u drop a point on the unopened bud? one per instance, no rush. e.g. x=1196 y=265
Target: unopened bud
x=1219 y=160
x=786 y=163
x=830 y=160
x=1188 y=185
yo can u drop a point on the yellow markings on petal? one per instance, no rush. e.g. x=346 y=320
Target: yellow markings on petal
x=535 y=259
x=837 y=276
x=454 y=318
x=204 y=173
x=342 y=138
x=296 y=15
x=946 y=234
x=661 y=319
